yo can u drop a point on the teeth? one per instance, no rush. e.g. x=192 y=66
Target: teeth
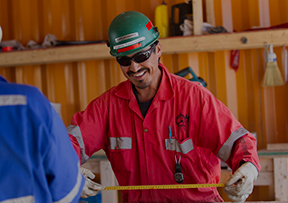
x=139 y=74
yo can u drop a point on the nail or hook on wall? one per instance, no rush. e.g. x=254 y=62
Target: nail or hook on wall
x=244 y=40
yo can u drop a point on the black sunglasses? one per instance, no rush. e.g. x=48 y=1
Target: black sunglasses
x=138 y=58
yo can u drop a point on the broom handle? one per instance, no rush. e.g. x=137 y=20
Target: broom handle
x=271 y=48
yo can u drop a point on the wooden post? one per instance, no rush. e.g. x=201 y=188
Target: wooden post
x=210 y=13
x=197 y=17
x=107 y=176
x=281 y=178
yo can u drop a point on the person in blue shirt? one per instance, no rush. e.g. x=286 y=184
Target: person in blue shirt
x=37 y=160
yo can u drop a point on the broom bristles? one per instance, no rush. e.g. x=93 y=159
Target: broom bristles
x=272 y=75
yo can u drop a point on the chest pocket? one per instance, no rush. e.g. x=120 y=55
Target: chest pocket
x=184 y=147
x=119 y=153
x=120 y=143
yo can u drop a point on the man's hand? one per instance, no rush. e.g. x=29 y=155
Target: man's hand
x=240 y=185
x=90 y=188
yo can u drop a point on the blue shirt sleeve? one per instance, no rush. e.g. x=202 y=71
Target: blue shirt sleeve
x=60 y=161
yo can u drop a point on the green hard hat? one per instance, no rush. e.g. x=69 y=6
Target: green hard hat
x=130 y=32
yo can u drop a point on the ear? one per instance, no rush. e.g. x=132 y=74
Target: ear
x=158 y=50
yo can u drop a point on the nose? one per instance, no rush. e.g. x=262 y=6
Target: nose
x=134 y=66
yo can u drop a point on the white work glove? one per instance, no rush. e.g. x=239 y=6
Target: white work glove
x=90 y=188
x=240 y=185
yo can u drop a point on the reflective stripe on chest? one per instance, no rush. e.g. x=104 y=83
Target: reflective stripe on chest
x=174 y=145
x=120 y=143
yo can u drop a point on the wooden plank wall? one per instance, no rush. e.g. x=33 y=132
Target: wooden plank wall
x=74 y=85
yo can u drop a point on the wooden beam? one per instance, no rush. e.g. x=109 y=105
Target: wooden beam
x=264 y=153
x=55 y=55
x=277 y=146
x=170 y=45
x=226 y=41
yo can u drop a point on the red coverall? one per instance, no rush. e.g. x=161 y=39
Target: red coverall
x=140 y=151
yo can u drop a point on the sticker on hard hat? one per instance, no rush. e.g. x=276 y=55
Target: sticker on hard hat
x=149 y=25
x=129 y=43
x=134 y=46
x=129 y=36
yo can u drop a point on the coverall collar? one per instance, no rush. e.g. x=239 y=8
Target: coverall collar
x=164 y=92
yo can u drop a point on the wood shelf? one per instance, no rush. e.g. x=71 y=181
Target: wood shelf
x=170 y=45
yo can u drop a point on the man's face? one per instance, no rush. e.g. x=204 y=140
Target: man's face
x=142 y=75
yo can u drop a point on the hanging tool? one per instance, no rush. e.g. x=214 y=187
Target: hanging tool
x=184 y=12
x=272 y=75
x=178 y=176
x=188 y=70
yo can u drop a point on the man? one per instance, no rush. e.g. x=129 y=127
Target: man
x=161 y=129
x=37 y=160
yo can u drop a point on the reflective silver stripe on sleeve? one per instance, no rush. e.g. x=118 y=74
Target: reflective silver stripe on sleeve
x=73 y=193
x=174 y=145
x=225 y=151
x=11 y=100
x=26 y=199
x=120 y=143
x=75 y=131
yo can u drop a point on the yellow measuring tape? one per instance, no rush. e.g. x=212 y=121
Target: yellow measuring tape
x=151 y=187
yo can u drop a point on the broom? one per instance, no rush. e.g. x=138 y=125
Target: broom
x=272 y=75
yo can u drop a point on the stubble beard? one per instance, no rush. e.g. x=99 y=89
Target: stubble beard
x=142 y=85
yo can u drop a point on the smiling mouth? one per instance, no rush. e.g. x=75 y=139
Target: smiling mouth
x=138 y=75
